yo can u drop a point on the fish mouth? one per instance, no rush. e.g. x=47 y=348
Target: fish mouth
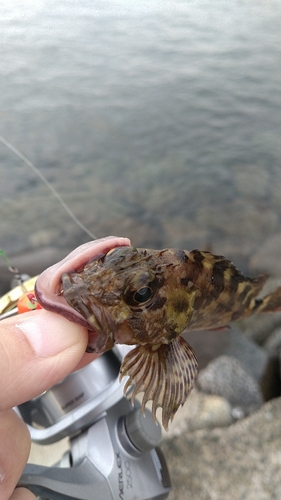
x=48 y=287
x=102 y=325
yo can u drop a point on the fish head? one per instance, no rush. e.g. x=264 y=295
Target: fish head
x=127 y=297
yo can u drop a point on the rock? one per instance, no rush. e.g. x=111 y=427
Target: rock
x=255 y=360
x=239 y=462
x=230 y=342
x=226 y=377
x=201 y=411
x=273 y=343
x=208 y=344
x=215 y=411
x=259 y=327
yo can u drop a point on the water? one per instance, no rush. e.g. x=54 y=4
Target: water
x=156 y=120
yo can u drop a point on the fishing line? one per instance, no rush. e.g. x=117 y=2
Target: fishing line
x=49 y=186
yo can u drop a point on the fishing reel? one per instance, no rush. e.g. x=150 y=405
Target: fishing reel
x=113 y=447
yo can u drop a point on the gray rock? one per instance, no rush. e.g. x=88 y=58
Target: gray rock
x=226 y=377
x=239 y=462
x=259 y=327
x=273 y=343
x=213 y=411
x=230 y=342
x=255 y=360
x=201 y=411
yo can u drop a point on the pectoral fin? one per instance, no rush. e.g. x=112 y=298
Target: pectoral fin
x=166 y=373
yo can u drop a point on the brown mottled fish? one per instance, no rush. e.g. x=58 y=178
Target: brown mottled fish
x=147 y=298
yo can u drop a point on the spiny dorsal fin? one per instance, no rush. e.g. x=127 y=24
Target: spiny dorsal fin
x=166 y=373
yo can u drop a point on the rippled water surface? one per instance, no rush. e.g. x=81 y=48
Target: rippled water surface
x=156 y=120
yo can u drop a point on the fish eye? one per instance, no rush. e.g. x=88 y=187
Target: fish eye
x=142 y=295
x=140 y=289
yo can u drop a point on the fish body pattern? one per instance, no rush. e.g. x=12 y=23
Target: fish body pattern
x=147 y=298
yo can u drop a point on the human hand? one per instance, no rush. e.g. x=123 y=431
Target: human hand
x=37 y=350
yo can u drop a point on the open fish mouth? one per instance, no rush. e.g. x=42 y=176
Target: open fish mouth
x=101 y=325
x=48 y=287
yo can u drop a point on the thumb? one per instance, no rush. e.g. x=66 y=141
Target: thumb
x=37 y=350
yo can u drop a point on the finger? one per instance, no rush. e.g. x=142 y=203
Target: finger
x=85 y=360
x=14 y=451
x=22 y=494
x=37 y=350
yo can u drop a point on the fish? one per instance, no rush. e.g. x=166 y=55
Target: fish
x=147 y=299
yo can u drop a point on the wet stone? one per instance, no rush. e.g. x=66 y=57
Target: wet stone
x=226 y=377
